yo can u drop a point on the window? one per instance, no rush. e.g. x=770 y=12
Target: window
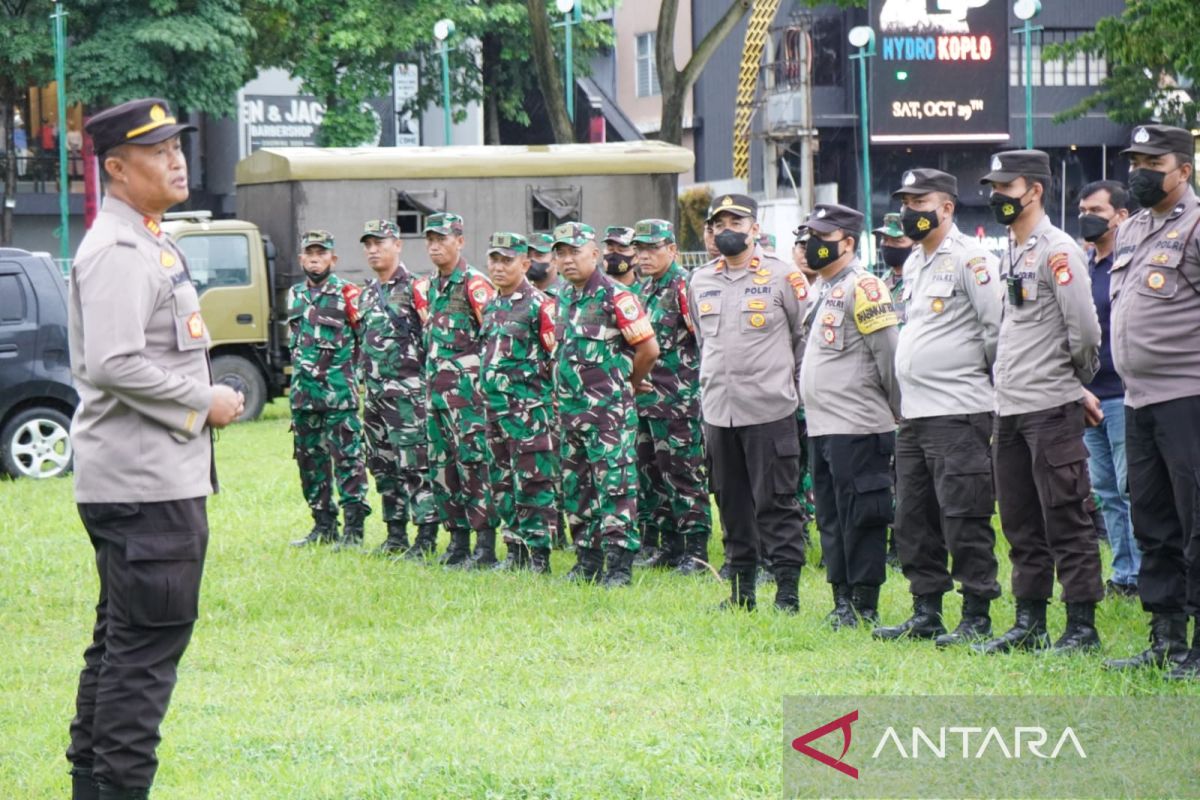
x=647 y=69
x=549 y=207
x=12 y=299
x=1082 y=69
x=828 y=51
x=412 y=206
x=217 y=260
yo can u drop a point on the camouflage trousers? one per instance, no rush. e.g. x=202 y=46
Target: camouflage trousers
x=523 y=469
x=600 y=486
x=458 y=468
x=328 y=448
x=397 y=455
x=672 y=482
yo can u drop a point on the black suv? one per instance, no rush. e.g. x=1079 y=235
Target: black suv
x=36 y=396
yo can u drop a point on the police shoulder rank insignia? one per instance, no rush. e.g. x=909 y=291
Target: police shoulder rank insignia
x=195 y=325
x=872 y=315
x=152 y=226
x=166 y=258
x=799 y=285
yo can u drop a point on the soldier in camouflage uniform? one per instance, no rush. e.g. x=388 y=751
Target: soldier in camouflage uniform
x=392 y=361
x=672 y=484
x=323 y=322
x=451 y=307
x=606 y=348
x=619 y=257
x=543 y=274
x=518 y=342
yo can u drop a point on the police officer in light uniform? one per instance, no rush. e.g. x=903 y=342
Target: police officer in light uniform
x=143 y=448
x=851 y=400
x=1156 y=348
x=746 y=309
x=944 y=495
x=1049 y=347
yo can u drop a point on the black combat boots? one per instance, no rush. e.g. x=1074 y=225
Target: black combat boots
x=425 y=542
x=539 y=560
x=112 y=793
x=668 y=554
x=925 y=622
x=787 y=589
x=1188 y=668
x=695 y=554
x=618 y=567
x=650 y=547
x=865 y=600
x=975 y=625
x=842 y=615
x=516 y=559
x=1168 y=644
x=324 y=530
x=396 y=542
x=589 y=564
x=352 y=537
x=484 y=556
x=459 y=552
x=1027 y=633
x=83 y=785
x=741 y=589
x=1080 y=633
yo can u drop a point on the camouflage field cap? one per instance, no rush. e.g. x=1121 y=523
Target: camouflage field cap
x=619 y=234
x=445 y=223
x=891 y=226
x=575 y=234
x=317 y=237
x=653 y=231
x=379 y=229
x=540 y=242
x=766 y=240
x=508 y=244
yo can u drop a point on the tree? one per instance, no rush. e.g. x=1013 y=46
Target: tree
x=28 y=61
x=676 y=83
x=1151 y=50
x=194 y=53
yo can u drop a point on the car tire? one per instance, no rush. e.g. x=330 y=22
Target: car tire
x=36 y=443
x=242 y=374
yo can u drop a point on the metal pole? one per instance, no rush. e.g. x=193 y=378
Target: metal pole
x=60 y=76
x=868 y=252
x=445 y=51
x=569 y=23
x=1028 y=33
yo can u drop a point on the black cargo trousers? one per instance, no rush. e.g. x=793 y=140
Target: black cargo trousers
x=852 y=485
x=150 y=558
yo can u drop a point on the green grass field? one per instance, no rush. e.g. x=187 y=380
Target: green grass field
x=315 y=674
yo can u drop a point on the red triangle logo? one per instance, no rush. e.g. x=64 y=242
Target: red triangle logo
x=800 y=744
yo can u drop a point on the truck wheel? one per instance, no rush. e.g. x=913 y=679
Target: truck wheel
x=242 y=374
x=36 y=444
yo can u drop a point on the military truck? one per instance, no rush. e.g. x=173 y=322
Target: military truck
x=243 y=281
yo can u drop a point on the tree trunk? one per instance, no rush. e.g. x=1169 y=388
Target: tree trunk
x=547 y=69
x=490 y=53
x=10 y=167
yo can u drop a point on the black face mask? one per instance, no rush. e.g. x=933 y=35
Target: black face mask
x=918 y=224
x=538 y=270
x=617 y=264
x=732 y=243
x=1006 y=209
x=1092 y=227
x=820 y=253
x=317 y=278
x=1146 y=186
x=894 y=257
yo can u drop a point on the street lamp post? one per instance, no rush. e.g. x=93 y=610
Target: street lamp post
x=1026 y=10
x=443 y=29
x=60 y=76
x=572 y=15
x=863 y=37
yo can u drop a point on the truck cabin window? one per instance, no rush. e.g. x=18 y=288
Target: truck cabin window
x=217 y=260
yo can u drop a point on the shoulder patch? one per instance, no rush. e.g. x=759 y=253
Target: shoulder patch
x=1060 y=265
x=799 y=284
x=873 y=309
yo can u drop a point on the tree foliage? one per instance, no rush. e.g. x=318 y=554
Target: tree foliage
x=1152 y=51
x=194 y=53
